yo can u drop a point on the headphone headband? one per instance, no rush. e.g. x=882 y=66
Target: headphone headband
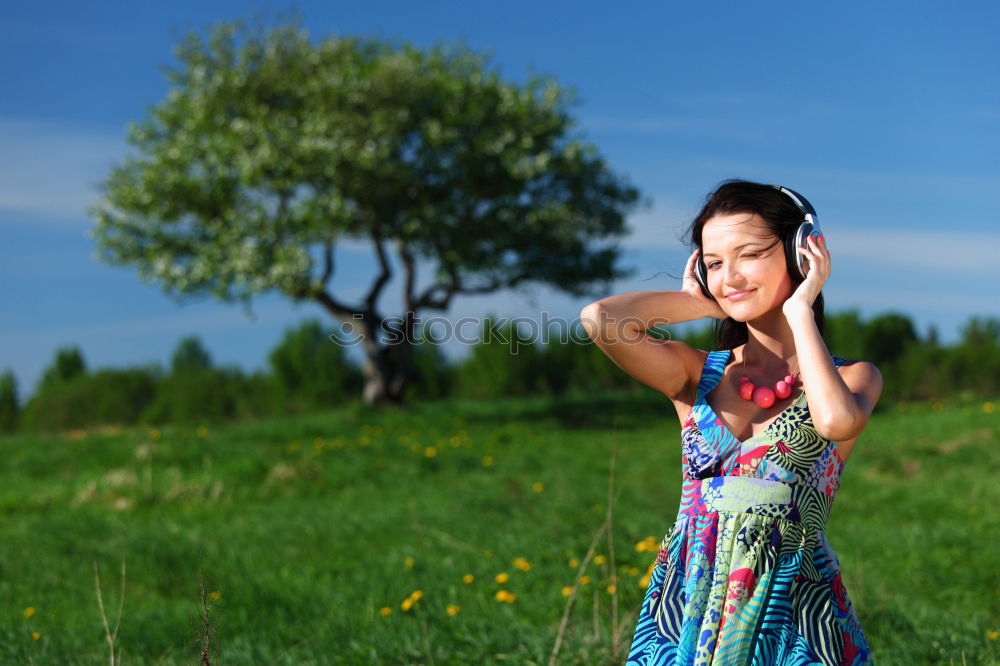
x=796 y=261
x=800 y=201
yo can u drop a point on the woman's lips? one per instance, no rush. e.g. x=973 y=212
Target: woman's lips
x=739 y=295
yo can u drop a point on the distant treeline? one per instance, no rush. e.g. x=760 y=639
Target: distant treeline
x=309 y=372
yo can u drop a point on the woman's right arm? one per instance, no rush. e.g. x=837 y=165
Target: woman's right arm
x=617 y=324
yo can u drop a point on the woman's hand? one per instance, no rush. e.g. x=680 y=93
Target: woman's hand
x=692 y=287
x=805 y=294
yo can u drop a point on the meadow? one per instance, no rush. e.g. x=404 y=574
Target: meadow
x=464 y=532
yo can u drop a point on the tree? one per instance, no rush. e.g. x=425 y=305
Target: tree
x=311 y=368
x=10 y=407
x=269 y=150
x=982 y=332
x=887 y=337
x=68 y=364
x=190 y=355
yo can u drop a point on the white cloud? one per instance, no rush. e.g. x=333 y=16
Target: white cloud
x=185 y=319
x=909 y=301
x=918 y=249
x=878 y=246
x=660 y=228
x=52 y=173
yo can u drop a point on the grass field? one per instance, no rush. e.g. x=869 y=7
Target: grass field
x=365 y=537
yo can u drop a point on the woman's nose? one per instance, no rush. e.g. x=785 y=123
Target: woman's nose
x=732 y=275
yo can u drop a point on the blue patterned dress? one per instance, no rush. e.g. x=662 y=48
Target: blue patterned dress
x=746 y=574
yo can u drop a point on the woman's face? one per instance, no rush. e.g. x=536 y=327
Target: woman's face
x=742 y=254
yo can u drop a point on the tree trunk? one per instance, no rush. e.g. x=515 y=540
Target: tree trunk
x=387 y=370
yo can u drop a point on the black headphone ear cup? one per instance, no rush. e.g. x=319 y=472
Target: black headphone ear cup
x=791 y=254
x=701 y=273
x=796 y=261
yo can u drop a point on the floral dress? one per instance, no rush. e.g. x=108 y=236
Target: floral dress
x=746 y=574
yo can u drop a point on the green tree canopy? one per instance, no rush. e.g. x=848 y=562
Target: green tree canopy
x=270 y=149
x=311 y=368
x=10 y=406
x=67 y=365
x=190 y=354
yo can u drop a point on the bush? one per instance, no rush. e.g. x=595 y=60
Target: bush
x=108 y=396
x=10 y=409
x=501 y=364
x=197 y=394
x=311 y=371
x=435 y=377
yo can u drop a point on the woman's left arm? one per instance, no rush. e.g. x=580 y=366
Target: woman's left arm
x=840 y=405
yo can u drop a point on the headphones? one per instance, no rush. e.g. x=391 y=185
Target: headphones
x=808 y=227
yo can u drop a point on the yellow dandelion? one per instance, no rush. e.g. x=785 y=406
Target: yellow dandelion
x=408 y=561
x=216 y=595
x=430 y=452
x=522 y=564
x=487 y=461
x=35 y=635
x=455 y=441
x=502 y=577
x=452 y=609
x=573 y=563
x=644 y=581
x=988 y=408
x=611 y=588
x=584 y=580
x=468 y=578
x=385 y=610
x=538 y=486
x=29 y=611
x=201 y=431
x=992 y=635
x=154 y=434
x=412 y=599
x=599 y=559
x=506 y=595
x=567 y=590
x=633 y=571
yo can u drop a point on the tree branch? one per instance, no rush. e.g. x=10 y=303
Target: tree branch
x=410 y=276
x=327 y=261
x=383 y=261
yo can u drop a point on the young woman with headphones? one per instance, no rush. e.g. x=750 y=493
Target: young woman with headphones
x=746 y=574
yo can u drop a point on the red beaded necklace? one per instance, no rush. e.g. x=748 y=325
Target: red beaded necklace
x=764 y=396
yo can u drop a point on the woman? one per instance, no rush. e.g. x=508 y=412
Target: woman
x=746 y=574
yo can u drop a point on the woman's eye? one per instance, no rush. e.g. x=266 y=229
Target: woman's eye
x=712 y=265
x=750 y=254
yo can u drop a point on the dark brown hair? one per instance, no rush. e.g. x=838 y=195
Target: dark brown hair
x=782 y=217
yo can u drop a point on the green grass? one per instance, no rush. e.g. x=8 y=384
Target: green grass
x=304 y=528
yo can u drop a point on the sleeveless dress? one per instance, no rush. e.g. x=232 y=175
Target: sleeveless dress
x=746 y=574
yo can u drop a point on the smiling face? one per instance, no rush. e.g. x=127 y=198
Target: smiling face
x=741 y=253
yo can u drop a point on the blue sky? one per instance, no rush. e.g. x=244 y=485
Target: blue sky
x=885 y=115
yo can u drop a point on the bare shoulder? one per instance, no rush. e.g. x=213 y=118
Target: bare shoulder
x=864 y=380
x=862 y=377
x=695 y=362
